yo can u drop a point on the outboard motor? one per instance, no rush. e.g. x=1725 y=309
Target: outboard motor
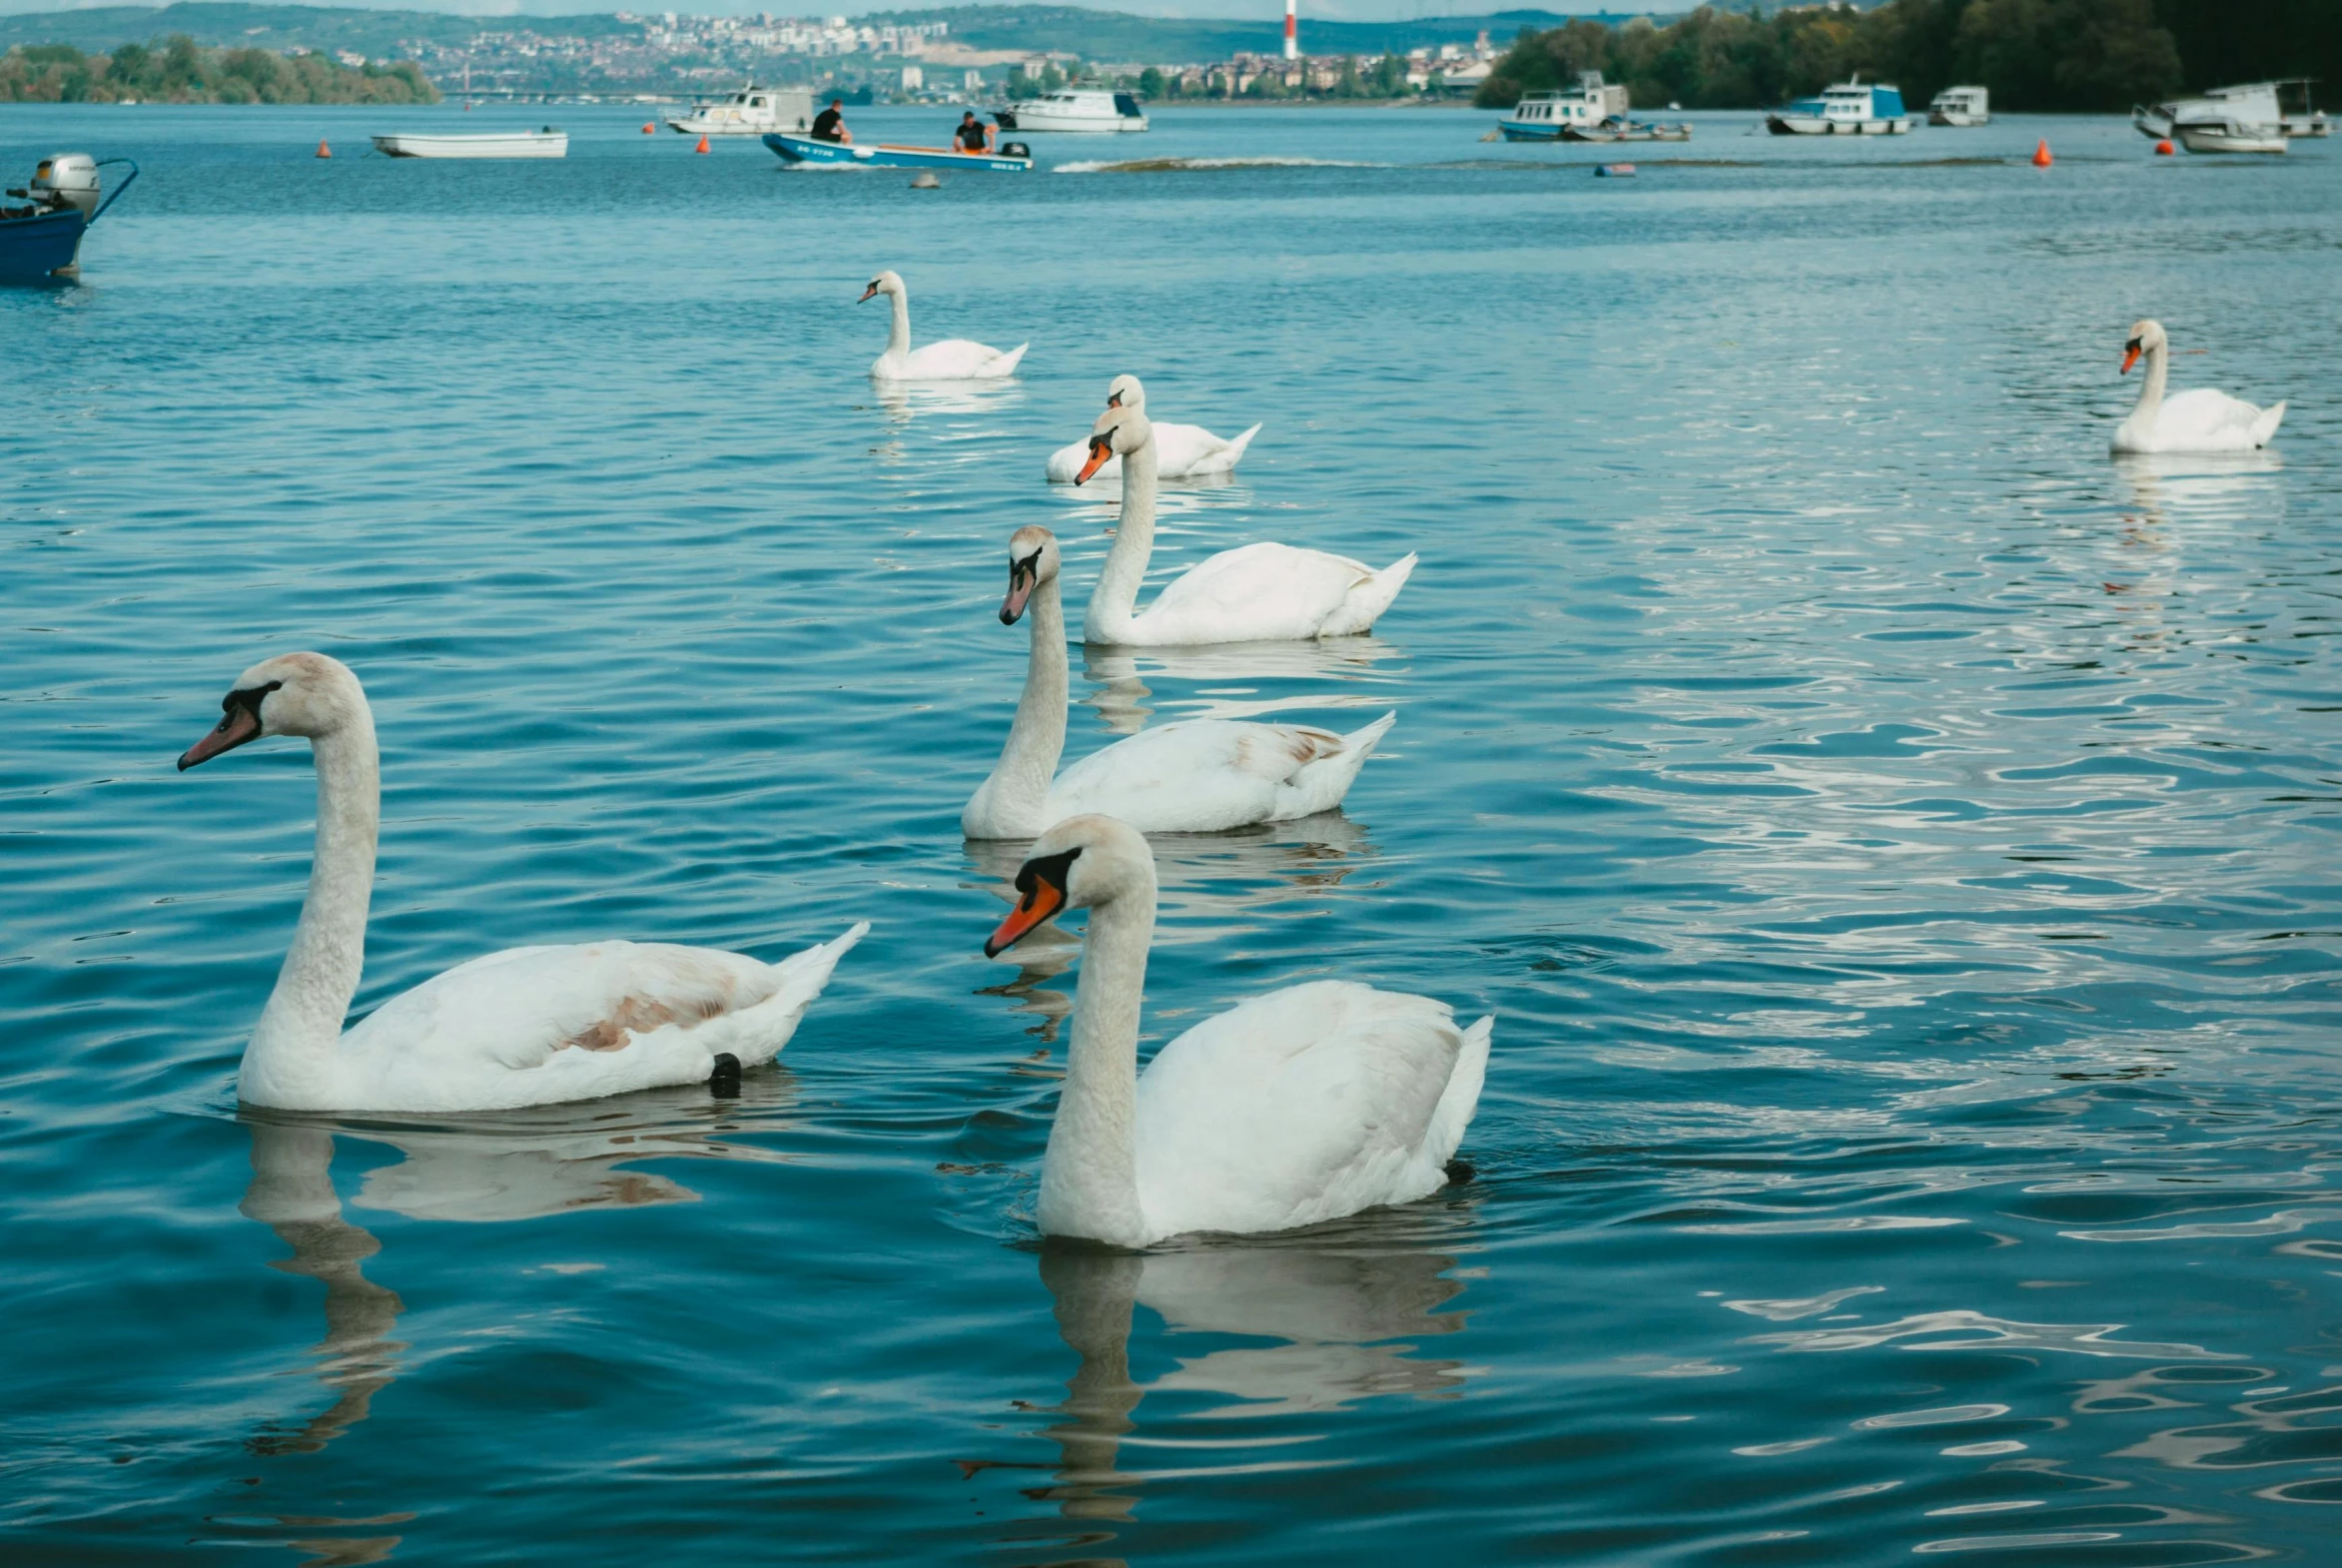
x=1014 y=150
x=66 y=180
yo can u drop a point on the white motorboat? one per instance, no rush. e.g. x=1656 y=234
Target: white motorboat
x=1961 y=106
x=1077 y=110
x=547 y=143
x=2240 y=119
x=752 y=111
x=2229 y=136
x=1849 y=109
x=1544 y=116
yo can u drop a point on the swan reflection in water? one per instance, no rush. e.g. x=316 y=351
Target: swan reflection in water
x=1231 y=672
x=2172 y=500
x=1212 y=886
x=495 y=1167
x=1342 y=1318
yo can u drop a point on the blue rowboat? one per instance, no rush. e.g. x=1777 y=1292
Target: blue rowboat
x=805 y=150
x=47 y=246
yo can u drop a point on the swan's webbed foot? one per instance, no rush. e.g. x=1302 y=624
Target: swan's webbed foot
x=723 y=1083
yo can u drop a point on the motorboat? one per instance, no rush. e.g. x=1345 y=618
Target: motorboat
x=1620 y=129
x=41 y=240
x=1961 y=106
x=1077 y=110
x=1547 y=117
x=1849 y=109
x=751 y=111
x=2240 y=119
x=1013 y=157
x=547 y=143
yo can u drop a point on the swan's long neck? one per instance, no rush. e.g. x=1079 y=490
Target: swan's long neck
x=2150 y=393
x=290 y=1057
x=899 y=335
x=1089 y=1178
x=1011 y=800
x=1116 y=599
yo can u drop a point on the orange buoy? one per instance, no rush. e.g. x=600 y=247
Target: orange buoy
x=2041 y=158
x=702 y=147
x=648 y=128
x=323 y=150
x=2164 y=149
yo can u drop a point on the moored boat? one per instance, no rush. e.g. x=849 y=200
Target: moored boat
x=41 y=240
x=751 y=111
x=1010 y=158
x=1961 y=106
x=1624 y=130
x=547 y=143
x=1080 y=111
x=2229 y=136
x=1849 y=109
x=1549 y=117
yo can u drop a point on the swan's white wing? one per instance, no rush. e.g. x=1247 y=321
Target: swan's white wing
x=1256 y=593
x=1300 y=1106
x=2204 y=419
x=952 y=359
x=1181 y=452
x=533 y=1026
x=1197 y=776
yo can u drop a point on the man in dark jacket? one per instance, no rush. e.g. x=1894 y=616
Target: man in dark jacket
x=830 y=124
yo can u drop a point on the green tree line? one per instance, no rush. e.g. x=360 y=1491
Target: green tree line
x=2084 y=55
x=177 y=71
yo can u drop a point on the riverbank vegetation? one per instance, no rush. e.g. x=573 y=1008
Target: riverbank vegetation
x=2084 y=55
x=177 y=71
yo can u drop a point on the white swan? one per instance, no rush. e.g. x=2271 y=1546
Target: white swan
x=1195 y=777
x=1296 y=1107
x=524 y=1027
x=1255 y=593
x=2200 y=420
x=1181 y=451
x=952 y=359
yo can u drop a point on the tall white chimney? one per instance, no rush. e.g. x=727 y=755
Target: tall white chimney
x=1293 y=47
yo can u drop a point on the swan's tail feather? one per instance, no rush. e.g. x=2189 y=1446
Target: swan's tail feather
x=1233 y=453
x=1321 y=785
x=803 y=977
x=1365 y=604
x=1006 y=364
x=1461 y=1097
x=2266 y=425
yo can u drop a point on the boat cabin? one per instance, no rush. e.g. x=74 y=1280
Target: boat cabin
x=1591 y=103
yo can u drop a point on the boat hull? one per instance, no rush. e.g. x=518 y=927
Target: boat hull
x=1514 y=131
x=1814 y=125
x=839 y=155
x=43 y=248
x=1959 y=118
x=2229 y=139
x=522 y=144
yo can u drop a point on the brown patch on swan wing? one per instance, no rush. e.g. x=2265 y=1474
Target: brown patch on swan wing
x=639 y=1015
x=1283 y=750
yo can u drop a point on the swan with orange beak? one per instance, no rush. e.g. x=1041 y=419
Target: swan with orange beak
x=1295 y=1106
x=2197 y=421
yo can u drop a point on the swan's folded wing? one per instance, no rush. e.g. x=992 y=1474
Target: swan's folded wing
x=1308 y=1103
x=520 y=1007
x=2206 y=416
x=1195 y=777
x=1264 y=592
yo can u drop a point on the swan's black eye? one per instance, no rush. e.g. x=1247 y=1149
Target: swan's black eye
x=2134 y=343
x=248 y=698
x=1051 y=869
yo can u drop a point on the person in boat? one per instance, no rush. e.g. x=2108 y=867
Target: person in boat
x=974 y=136
x=830 y=124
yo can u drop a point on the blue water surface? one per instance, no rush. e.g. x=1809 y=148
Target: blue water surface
x=1897 y=842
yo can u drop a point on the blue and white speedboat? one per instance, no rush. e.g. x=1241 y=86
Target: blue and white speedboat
x=41 y=242
x=1849 y=109
x=846 y=155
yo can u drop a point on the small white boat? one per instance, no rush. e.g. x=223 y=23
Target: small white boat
x=2240 y=119
x=1849 y=109
x=1075 y=111
x=752 y=111
x=1961 y=106
x=547 y=143
x=1546 y=117
x=2229 y=136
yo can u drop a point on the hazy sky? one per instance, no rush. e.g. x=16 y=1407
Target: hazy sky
x=1339 y=10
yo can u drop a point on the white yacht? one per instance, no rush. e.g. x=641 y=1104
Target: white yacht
x=1849 y=109
x=2242 y=119
x=1962 y=106
x=1077 y=109
x=752 y=111
x=1544 y=116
